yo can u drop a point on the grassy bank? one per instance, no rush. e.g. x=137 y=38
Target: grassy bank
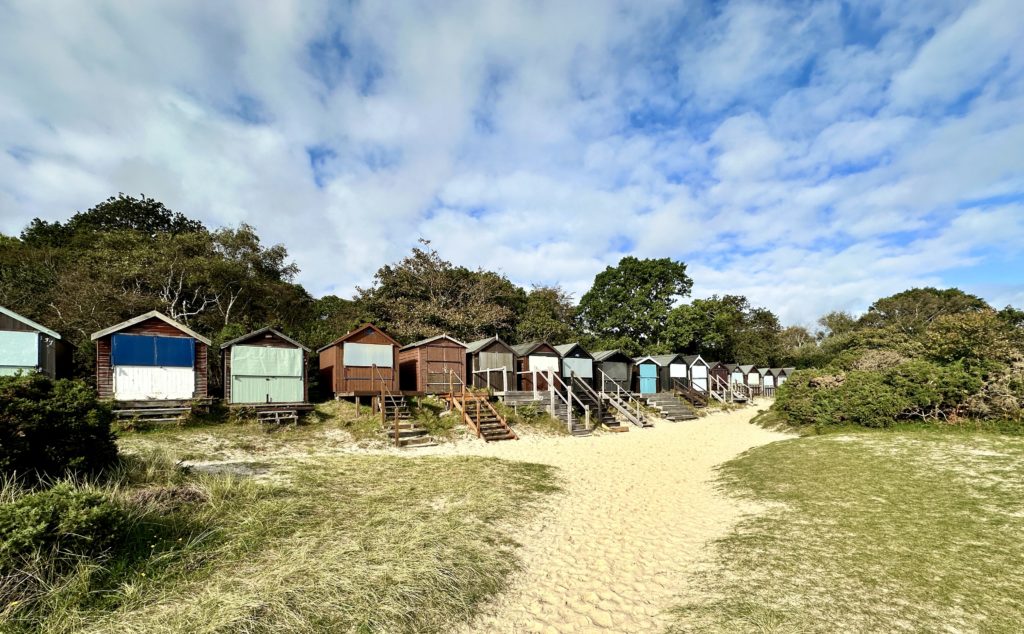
x=351 y=543
x=897 y=531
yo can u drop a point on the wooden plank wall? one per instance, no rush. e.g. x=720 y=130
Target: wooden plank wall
x=152 y=326
x=360 y=380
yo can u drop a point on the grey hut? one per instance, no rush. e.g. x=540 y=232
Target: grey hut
x=27 y=347
x=612 y=368
x=491 y=363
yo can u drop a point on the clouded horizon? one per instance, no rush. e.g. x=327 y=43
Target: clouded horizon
x=811 y=156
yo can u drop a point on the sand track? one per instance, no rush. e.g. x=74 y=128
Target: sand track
x=620 y=544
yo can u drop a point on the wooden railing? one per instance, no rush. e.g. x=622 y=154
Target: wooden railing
x=487 y=374
x=555 y=395
x=687 y=391
x=385 y=393
x=464 y=392
x=626 y=398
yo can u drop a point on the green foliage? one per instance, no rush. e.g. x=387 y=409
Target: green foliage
x=911 y=311
x=424 y=295
x=726 y=328
x=632 y=301
x=549 y=315
x=58 y=522
x=976 y=337
x=50 y=427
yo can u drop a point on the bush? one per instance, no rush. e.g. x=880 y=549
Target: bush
x=50 y=427
x=60 y=520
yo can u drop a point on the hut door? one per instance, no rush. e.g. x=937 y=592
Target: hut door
x=250 y=389
x=284 y=389
x=648 y=378
x=699 y=377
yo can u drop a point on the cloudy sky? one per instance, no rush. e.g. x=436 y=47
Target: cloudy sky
x=811 y=155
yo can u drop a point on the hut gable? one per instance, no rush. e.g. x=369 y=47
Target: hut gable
x=536 y=356
x=611 y=368
x=151 y=358
x=264 y=367
x=361 y=362
x=576 y=361
x=427 y=366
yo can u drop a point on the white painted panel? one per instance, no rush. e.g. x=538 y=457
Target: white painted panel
x=737 y=377
x=782 y=380
x=677 y=370
x=540 y=363
x=769 y=380
x=699 y=372
x=149 y=383
x=754 y=378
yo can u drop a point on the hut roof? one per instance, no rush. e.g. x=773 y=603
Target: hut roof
x=28 y=322
x=664 y=359
x=731 y=366
x=566 y=348
x=255 y=333
x=690 y=359
x=605 y=355
x=423 y=342
x=748 y=368
x=476 y=346
x=153 y=314
x=356 y=331
x=524 y=349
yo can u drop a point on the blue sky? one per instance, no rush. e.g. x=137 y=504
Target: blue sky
x=810 y=155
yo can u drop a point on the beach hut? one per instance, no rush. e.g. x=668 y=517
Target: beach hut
x=264 y=368
x=655 y=373
x=151 y=360
x=360 y=363
x=782 y=375
x=751 y=375
x=736 y=376
x=27 y=346
x=491 y=363
x=611 y=368
x=718 y=370
x=424 y=367
x=576 y=362
x=768 y=376
x=536 y=357
x=697 y=372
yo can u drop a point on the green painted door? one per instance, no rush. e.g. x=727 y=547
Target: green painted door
x=250 y=389
x=285 y=389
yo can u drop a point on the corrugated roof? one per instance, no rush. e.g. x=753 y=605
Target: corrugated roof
x=423 y=342
x=260 y=332
x=747 y=368
x=150 y=315
x=28 y=322
x=690 y=359
x=478 y=345
x=664 y=359
x=354 y=331
x=566 y=348
x=604 y=355
x=524 y=349
x=731 y=366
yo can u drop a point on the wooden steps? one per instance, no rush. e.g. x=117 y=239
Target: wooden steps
x=399 y=425
x=480 y=416
x=154 y=414
x=670 y=407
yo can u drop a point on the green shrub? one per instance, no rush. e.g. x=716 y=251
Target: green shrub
x=50 y=427
x=61 y=520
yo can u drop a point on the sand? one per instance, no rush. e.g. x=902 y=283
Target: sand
x=622 y=543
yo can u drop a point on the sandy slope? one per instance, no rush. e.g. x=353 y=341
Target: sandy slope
x=617 y=548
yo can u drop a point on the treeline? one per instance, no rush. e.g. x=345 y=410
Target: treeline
x=924 y=355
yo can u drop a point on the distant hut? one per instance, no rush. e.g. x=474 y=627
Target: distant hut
x=768 y=377
x=151 y=360
x=360 y=363
x=751 y=375
x=576 y=362
x=27 y=346
x=265 y=368
x=783 y=375
x=718 y=373
x=425 y=367
x=536 y=357
x=655 y=373
x=697 y=372
x=736 y=375
x=611 y=368
x=491 y=363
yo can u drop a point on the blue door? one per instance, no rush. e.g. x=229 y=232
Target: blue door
x=648 y=378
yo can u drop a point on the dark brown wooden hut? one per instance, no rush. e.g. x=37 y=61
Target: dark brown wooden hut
x=425 y=366
x=536 y=357
x=360 y=363
x=151 y=359
x=611 y=368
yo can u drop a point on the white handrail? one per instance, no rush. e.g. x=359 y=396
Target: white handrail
x=629 y=398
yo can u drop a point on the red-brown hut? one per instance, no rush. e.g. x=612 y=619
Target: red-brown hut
x=425 y=366
x=361 y=362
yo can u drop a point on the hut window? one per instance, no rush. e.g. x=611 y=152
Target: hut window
x=368 y=354
x=677 y=370
x=147 y=350
x=264 y=361
x=544 y=363
x=584 y=368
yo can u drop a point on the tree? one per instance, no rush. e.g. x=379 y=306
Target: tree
x=114 y=214
x=758 y=340
x=709 y=327
x=837 y=322
x=424 y=295
x=549 y=314
x=911 y=311
x=632 y=301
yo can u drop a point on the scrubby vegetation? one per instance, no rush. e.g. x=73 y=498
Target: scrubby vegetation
x=921 y=356
x=353 y=543
x=52 y=427
x=911 y=531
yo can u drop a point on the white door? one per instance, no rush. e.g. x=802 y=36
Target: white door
x=699 y=377
x=153 y=383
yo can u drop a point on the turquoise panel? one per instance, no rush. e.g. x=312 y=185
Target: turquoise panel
x=249 y=389
x=364 y=355
x=648 y=378
x=285 y=389
x=19 y=349
x=265 y=361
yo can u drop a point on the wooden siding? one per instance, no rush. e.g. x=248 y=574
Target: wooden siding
x=9 y=323
x=492 y=380
x=523 y=363
x=423 y=369
x=264 y=339
x=153 y=326
x=359 y=381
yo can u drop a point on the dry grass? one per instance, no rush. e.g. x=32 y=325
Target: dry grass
x=347 y=543
x=894 y=532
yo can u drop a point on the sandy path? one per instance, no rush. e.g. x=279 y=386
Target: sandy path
x=617 y=548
